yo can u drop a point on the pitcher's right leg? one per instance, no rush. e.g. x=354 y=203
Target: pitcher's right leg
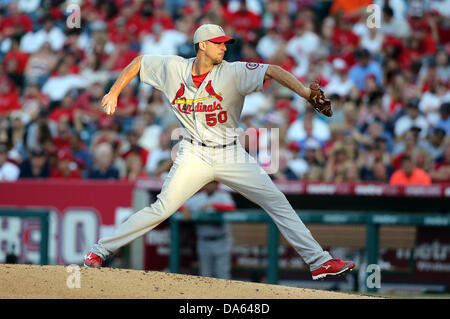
x=187 y=175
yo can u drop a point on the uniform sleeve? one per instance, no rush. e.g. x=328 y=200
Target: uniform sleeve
x=153 y=70
x=249 y=76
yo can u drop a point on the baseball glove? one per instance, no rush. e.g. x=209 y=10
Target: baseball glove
x=318 y=100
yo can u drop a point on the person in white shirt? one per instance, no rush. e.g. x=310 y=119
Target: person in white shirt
x=9 y=172
x=304 y=43
x=56 y=87
x=373 y=41
x=412 y=118
x=320 y=129
x=159 y=156
x=396 y=26
x=150 y=130
x=340 y=83
x=269 y=44
x=431 y=101
x=33 y=41
x=162 y=42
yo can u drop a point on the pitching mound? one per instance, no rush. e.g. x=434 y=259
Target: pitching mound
x=33 y=281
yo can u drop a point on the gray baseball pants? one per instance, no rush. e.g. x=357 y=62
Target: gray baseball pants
x=194 y=167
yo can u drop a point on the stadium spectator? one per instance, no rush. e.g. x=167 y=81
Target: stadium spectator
x=15 y=21
x=80 y=152
x=303 y=43
x=134 y=148
x=269 y=43
x=412 y=118
x=15 y=62
x=64 y=110
x=349 y=7
x=66 y=168
x=61 y=82
x=103 y=163
x=337 y=164
x=9 y=97
x=17 y=138
x=365 y=67
x=308 y=125
x=106 y=133
x=161 y=41
x=62 y=140
x=373 y=40
x=9 y=172
x=442 y=65
x=444 y=121
x=340 y=83
x=394 y=25
x=127 y=107
x=134 y=167
x=40 y=64
x=284 y=172
x=434 y=143
x=32 y=102
x=243 y=20
x=41 y=131
x=432 y=99
x=440 y=172
x=377 y=164
x=149 y=138
x=36 y=166
x=31 y=42
x=159 y=161
x=408 y=174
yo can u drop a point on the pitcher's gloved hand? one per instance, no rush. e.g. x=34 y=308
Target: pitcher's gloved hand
x=318 y=100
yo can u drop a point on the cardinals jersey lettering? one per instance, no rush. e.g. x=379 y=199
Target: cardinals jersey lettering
x=211 y=112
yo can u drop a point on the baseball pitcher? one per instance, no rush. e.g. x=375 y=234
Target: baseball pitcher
x=207 y=95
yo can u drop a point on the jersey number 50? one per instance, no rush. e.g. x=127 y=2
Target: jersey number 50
x=212 y=119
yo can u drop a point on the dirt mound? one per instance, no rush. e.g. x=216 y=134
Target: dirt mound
x=48 y=282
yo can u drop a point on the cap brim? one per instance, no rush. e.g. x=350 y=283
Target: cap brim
x=222 y=39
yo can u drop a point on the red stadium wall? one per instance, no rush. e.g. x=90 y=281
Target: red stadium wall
x=81 y=212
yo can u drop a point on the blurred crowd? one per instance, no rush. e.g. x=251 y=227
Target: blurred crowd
x=385 y=68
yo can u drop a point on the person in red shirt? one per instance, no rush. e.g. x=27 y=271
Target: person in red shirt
x=65 y=110
x=64 y=167
x=244 y=20
x=15 y=22
x=343 y=34
x=135 y=168
x=63 y=140
x=9 y=98
x=409 y=175
x=15 y=62
x=127 y=103
x=133 y=140
x=121 y=57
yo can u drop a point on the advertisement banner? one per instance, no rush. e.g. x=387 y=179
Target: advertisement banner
x=80 y=213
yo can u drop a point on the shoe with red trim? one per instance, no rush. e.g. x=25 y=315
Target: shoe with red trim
x=333 y=267
x=93 y=260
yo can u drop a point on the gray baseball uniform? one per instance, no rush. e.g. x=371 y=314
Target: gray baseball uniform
x=210 y=113
x=214 y=240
